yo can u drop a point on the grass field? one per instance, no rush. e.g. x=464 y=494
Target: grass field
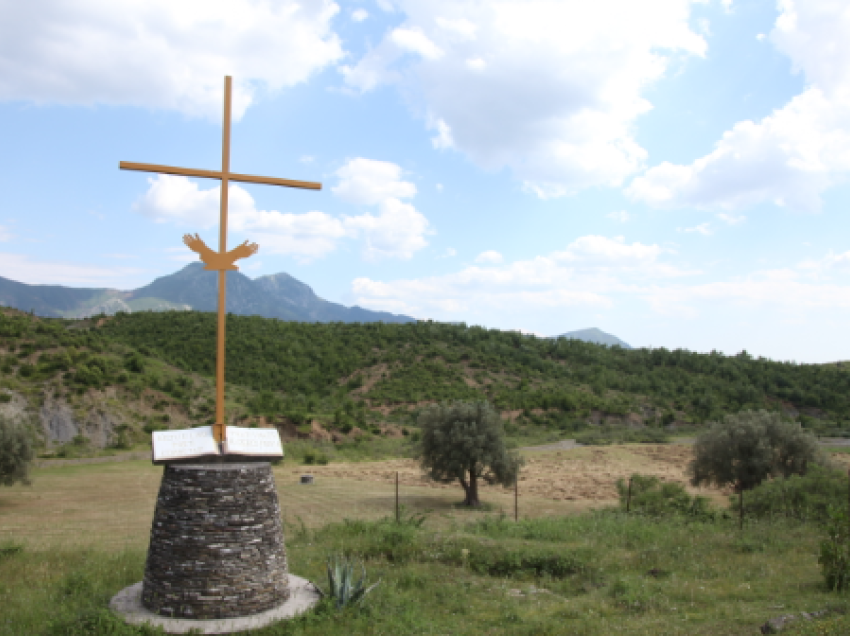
x=78 y=535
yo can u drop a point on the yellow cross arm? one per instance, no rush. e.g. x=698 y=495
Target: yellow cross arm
x=217 y=174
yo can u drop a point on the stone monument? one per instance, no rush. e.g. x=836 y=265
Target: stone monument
x=216 y=560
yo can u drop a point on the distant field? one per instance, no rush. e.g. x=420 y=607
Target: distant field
x=111 y=504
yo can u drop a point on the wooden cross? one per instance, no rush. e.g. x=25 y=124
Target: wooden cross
x=222 y=261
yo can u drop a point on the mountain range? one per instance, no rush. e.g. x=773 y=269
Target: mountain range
x=192 y=288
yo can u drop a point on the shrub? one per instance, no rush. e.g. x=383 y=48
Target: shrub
x=16 y=452
x=835 y=551
x=311 y=457
x=803 y=497
x=505 y=562
x=655 y=498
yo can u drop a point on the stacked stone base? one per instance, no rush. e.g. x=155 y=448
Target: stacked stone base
x=216 y=548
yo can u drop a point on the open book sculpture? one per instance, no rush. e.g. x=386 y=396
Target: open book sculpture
x=198 y=445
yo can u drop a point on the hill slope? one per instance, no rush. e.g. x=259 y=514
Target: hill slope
x=96 y=376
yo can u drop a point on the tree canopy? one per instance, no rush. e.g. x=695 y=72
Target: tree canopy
x=746 y=448
x=465 y=441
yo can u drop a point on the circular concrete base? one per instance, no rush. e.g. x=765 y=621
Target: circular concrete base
x=128 y=603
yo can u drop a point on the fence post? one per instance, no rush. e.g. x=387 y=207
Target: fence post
x=741 y=503
x=397 y=517
x=629 y=497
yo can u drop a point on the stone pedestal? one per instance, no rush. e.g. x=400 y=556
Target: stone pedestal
x=216 y=548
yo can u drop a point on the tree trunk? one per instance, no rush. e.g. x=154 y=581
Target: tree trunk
x=471 y=489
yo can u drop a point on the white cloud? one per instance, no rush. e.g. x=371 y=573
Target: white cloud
x=489 y=257
x=702 y=228
x=358 y=15
x=731 y=219
x=398 y=230
x=368 y=182
x=547 y=88
x=789 y=157
x=443 y=139
x=176 y=199
x=417 y=42
x=585 y=274
x=24 y=269
x=159 y=53
x=620 y=215
x=5 y=234
x=439 y=187
x=306 y=159
x=827 y=266
x=448 y=253
x=460 y=27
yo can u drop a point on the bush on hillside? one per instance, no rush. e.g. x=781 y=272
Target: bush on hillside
x=835 y=550
x=16 y=451
x=652 y=497
x=804 y=497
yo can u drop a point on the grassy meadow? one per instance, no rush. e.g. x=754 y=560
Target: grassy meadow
x=78 y=534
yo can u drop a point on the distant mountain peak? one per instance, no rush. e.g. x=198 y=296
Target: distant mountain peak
x=595 y=335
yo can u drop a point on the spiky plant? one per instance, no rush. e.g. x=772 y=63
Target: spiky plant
x=343 y=586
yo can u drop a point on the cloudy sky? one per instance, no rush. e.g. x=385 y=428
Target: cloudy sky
x=673 y=172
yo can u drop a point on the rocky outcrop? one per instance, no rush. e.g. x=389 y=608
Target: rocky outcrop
x=59 y=423
x=57 y=420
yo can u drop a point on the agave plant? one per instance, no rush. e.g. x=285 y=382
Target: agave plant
x=342 y=585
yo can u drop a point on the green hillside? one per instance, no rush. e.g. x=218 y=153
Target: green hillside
x=348 y=374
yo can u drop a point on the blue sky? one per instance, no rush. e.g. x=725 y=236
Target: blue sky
x=671 y=172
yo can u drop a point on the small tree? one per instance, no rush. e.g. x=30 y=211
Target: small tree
x=466 y=442
x=748 y=447
x=15 y=452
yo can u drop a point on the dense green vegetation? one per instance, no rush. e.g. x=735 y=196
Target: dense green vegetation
x=343 y=373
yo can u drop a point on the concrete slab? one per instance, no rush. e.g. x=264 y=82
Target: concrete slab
x=128 y=604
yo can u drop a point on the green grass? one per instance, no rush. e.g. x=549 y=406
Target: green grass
x=598 y=573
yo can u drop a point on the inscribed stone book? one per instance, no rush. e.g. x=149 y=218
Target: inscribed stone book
x=199 y=445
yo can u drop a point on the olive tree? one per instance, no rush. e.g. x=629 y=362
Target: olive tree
x=745 y=448
x=16 y=452
x=465 y=441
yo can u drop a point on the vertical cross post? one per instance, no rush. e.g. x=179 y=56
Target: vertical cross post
x=220 y=426
x=221 y=261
